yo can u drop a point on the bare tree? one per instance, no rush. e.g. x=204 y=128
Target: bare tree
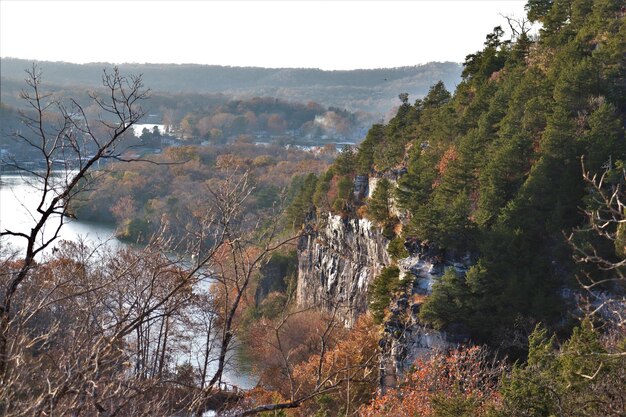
x=606 y=220
x=242 y=251
x=340 y=364
x=72 y=348
x=103 y=330
x=87 y=330
x=520 y=27
x=61 y=132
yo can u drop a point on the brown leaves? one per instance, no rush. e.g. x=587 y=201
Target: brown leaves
x=464 y=378
x=449 y=155
x=340 y=364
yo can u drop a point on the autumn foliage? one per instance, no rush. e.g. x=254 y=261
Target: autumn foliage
x=463 y=382
x=339 y=365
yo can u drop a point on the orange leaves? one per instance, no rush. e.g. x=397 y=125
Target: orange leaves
x=296 y=337
x=464 y=378
x=125 y=208
x=322 y=355
x=448 y=156
x=231 y=161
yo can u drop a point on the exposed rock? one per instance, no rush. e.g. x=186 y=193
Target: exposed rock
x=336 y=264
x=425 y=264
x=371 y=186
x=339 y=260
x=361 y=189
x=405 y=339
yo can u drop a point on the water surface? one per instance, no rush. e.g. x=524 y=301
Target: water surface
x=19 y=198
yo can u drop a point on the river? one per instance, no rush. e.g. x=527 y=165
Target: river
x=19 y=197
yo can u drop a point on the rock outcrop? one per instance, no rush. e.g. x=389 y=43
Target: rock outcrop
x=336 y=263
x=405 y=339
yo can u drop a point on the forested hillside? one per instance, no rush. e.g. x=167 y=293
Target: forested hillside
x=467 y=259
x=513 y=185
x=494 y=171
x=371 y=91
x=169 y=189
x=218 y=104
x=215 y=118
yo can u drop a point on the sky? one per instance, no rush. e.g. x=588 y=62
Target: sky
x=331 y=35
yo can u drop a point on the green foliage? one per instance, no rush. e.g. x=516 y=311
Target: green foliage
x=320 y=197
x=578 y=378
x=384 y=146
x=324 y=402
x=379 y=205
x=437 y=96
x=278 y=275
x=396 y=248
x=446 y=305
x=382 y=289
x=134 y=230
x=605 y=137
x=345 y=187
x=345 y=163
x=457 y=405
x=389 y=230
x=446 y=223
x=538 y=9
x=415 y=186
x=303 y=189
x=506 y=180
x=267 y=196
x=494 y=169
x=272 y=306
x=481 y=65
x=365 y=155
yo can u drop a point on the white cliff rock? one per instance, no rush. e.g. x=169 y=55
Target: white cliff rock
x=337 y=263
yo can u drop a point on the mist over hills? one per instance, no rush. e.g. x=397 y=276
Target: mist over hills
x=372 y=90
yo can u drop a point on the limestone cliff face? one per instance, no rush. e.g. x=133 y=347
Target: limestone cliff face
x=405 y=339
x=336 y=264
x=337 y=261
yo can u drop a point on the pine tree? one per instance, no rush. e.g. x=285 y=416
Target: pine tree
x=379 y=205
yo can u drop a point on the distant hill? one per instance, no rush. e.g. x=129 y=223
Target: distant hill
x=373 y=91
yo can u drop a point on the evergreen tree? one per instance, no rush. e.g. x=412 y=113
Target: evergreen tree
x=579 y=378
x=365 y=155
x=302 y=204
x=379 y=205
x=382 y=289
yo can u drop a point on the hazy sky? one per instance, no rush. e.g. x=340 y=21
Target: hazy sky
x=319 y=34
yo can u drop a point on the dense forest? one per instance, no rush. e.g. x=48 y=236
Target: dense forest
x=495 y=170
x=140 y=197
x=513 y=171
x=210 y=119
x=515 y=179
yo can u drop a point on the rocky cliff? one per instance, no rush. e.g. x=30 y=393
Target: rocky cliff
x=340 y=257
x=336 y=263
x=405 y=339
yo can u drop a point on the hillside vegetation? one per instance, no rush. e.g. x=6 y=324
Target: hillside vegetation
x=495 y=169
x=371 y=91
x=517 y=176
x=171 y=189
x=521 y=171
